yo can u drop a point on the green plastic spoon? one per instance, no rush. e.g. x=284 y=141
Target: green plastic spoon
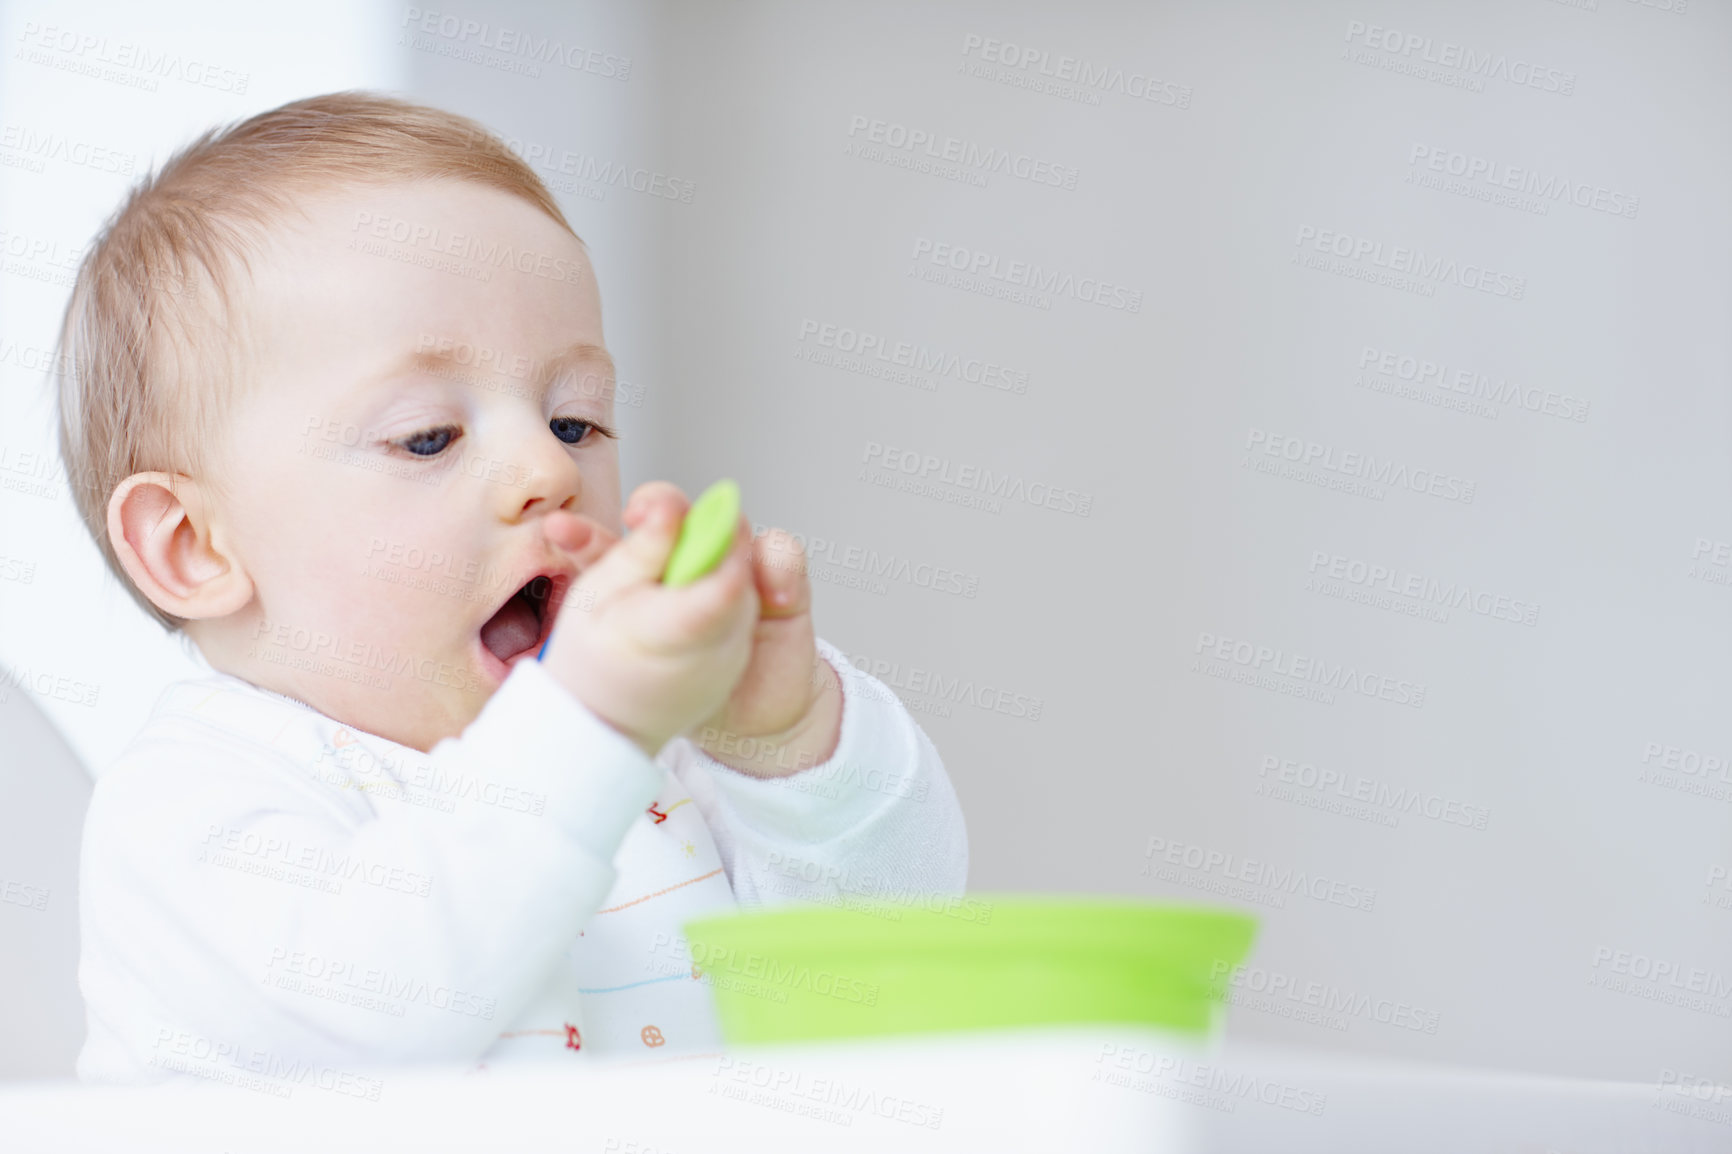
x=706 y=534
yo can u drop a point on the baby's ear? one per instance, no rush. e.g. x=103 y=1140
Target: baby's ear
x=160 y=527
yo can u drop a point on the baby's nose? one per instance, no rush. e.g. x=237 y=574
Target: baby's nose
x=543 y=483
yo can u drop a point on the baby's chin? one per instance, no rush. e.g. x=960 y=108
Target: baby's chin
x=415 y=714
x=414 y=704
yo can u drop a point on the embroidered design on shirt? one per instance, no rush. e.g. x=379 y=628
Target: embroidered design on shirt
x=659 y=893
x=573 y=1040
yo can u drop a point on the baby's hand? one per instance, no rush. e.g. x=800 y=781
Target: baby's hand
x=650 y=660
x=785 y=714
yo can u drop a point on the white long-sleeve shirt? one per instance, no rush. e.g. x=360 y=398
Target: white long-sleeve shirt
x=266 y=894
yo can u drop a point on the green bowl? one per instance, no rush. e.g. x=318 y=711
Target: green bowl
x=809 y=972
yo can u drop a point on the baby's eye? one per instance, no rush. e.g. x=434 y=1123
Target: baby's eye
x=573 y=430
x=429 y=442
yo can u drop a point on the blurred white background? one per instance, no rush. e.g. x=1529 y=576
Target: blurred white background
x=1467 y=262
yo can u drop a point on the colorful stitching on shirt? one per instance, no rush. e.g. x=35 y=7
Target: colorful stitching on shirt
x=630 y=985
x=660 y=816
x=659 y=893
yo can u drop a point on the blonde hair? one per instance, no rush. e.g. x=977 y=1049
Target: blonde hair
x=151 y=352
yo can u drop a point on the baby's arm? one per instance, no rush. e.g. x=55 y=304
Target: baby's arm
x=184 y=936
x=878 y=819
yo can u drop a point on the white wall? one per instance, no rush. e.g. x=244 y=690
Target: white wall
x=1490 y=934
x=1260 y=128
x=93 y=95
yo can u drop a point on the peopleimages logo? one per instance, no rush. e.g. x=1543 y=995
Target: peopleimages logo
x=39 y=252
x=1408 y=262
x=1472 y=384
x=35 y=358
x=870 y=563
x=710 y=958
x=1315 y=670
x=977 y=478
x=1409 y=47
x=1396 y=800
x=1393 y=579
x=329 y=975
x=468 y=247
x=1360 y=468
x=1499 y=176
x=1086 y=76
x=315 y=860
x=1663 y=979
x=1196 y=1084
x=798 y=1092
x=46 y=684
x=983 y=160
x=1268 y=989
x=43 y=146
x=950 y=689
x=588 y=169
x=20 y=894
x=122 y=61
x=1259 y=875
x=912 y=355
x=509 y=42
x=974 y=263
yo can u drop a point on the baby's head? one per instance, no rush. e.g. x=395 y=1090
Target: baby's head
x=327 y=372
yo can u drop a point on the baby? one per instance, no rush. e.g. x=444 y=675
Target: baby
x=339 y=412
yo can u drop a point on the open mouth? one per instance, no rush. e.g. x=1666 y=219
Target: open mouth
x=526 y=618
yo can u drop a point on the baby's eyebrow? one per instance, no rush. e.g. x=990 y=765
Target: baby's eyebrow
x=575 y=354
x=446 y=359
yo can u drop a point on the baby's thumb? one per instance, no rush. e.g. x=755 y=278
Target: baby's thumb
x=640 y=558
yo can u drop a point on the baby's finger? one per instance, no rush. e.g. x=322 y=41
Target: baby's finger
x=700 y=613
x=640 y=558
x=779 y=567
x=652 y=494
x=580 y=537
